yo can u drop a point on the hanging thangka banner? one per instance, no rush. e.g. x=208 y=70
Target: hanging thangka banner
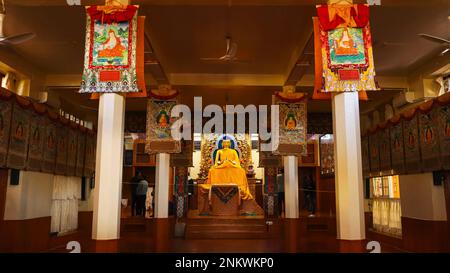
x=20 y=128
x=36 y=144
x=444 y=133
x=292 y=126
x=71 y=150
x=374 y=149
x=159 y=122
x=110 y=51
x=347 y=57
x=429 y=137
x=365 y=155
x=81 y=147
x=397 y=148
x=411 y=142
x=5 y=122
x=62 y=135
x=385 y=149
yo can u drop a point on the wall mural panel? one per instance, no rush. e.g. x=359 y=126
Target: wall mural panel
x=72 y=139
x=385 y=150
x=411 y=140
x=19 y=136
x=444 y=134
x=49 y=162
x=81 y=149
x=62 y=136
x=36 y=146
x=374 y=146
x=397 y=148
x=429 y=140
x=5 y=124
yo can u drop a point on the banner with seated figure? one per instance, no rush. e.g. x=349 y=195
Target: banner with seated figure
x=292 y=123
x=110 y=50
x=159 y=122
x=346 y=49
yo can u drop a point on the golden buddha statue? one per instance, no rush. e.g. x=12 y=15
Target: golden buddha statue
x=227 y=170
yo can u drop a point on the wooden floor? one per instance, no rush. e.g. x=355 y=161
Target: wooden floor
x=150 y=235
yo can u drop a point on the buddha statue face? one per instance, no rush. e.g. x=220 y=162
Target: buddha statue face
x=226 y=143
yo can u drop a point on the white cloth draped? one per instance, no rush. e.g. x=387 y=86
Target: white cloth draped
x=66 y=193
x=387 y=216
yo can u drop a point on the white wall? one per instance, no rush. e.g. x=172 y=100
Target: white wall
x=31 y=198
x=420 y=199
x=88 y=204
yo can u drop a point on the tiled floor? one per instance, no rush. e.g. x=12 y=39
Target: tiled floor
x=151 y=236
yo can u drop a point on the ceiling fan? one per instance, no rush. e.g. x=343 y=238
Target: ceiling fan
x=15 y=39
x=439 y=40
x=230 y=54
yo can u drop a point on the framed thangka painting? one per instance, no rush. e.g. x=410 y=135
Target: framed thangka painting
x=62 y=135
x=444 y=134
x=292 y=129
x=36 y=146
x=48 y=163
x=327 y=155
x=5 y=124
x=159 y=122
x=429 y=140
x=365 y=155
x=18 y=141
x=374 y=151
x=397 y=148
x=385 y=150
x=411 y=144
x=110 y=51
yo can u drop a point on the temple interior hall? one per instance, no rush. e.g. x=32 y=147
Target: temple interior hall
x=357 y=106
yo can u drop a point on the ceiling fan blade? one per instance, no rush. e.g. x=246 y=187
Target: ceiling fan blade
x=434 y=38
x=17 y=39
x=211 y=59
x=445 y=51
x=233 y=50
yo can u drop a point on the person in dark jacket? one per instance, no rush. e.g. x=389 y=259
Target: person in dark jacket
x=134 y=182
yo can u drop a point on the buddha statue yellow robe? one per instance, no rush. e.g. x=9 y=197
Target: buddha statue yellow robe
x=227 y=170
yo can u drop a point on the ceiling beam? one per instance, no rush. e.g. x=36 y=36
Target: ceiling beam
x=204 y=79
x=393 y=3
x=303 y=63
x=152 y=64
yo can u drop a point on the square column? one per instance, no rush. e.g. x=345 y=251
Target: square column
x=108 y=171
x=291 y=187
x=348 y=167
x=162 y=185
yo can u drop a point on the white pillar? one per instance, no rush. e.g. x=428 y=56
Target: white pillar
x=291 y=187
x=162 y=185
x=348 y=167
x=108 y=171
